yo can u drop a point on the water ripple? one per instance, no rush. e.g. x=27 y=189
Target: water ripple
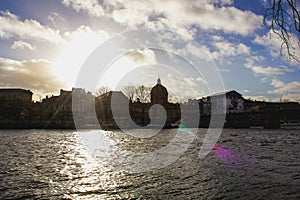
x=54 y=164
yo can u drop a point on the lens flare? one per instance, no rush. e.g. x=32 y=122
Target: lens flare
x=228 y=156
x=225 y=154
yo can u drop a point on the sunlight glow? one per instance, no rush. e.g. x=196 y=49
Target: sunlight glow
x=79 y=45
x=116 y=71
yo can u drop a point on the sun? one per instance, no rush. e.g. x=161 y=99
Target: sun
x=77 y=48
x=78 y=45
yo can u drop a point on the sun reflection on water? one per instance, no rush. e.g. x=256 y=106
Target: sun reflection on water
x=88 y=168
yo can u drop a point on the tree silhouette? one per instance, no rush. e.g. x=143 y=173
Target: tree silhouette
x=137 y=93
x=130 y=91
x=284 y=17
x=143 y=93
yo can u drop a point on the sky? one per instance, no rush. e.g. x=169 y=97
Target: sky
x=196 y=48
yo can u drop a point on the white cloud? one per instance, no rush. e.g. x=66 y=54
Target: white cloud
x=36 y=75
x=292 y=87
x=22 y=45
x=264 y=79
x=273 y=43
x=75 y=46
x=186 y=87
x=286 y=91
x=253 y=59
x=277 y=83
x=92 y=7
x=259 y=69
x=184 y=18
x=56 y=19
x=227 y=19
x=222 y=2
x=269 y=70
x=83 y=33
x=132 y=18
x=265 y=70
x=225 y=48
x=285 y=97
x=142 y=56
x=191 y=49
x=291 y=97
x=13 y=27
x=258 y=98
x=208 y=15
x=217 y=38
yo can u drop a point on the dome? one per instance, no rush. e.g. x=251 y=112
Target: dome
x=159 y=94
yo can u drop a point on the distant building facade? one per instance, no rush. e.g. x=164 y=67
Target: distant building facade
x=15 y=103
x=159 y=94
x=228 y=102
x=114 y=109
x=114 y=106
x=83 y=102
x=105 y=103
x=60 y=110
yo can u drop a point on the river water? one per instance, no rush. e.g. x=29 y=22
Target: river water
x=61 y=164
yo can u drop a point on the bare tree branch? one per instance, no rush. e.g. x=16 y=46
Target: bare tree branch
x=137 y=93
x=284 y=17
x=102 y=90
x=143 y=93
x=130 y=91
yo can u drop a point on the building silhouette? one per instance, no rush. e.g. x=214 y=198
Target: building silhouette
x=114 y=109
x=159 y=94
x=59 y=111
x=104 y=104
x=228 y=102
x=15 y=103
